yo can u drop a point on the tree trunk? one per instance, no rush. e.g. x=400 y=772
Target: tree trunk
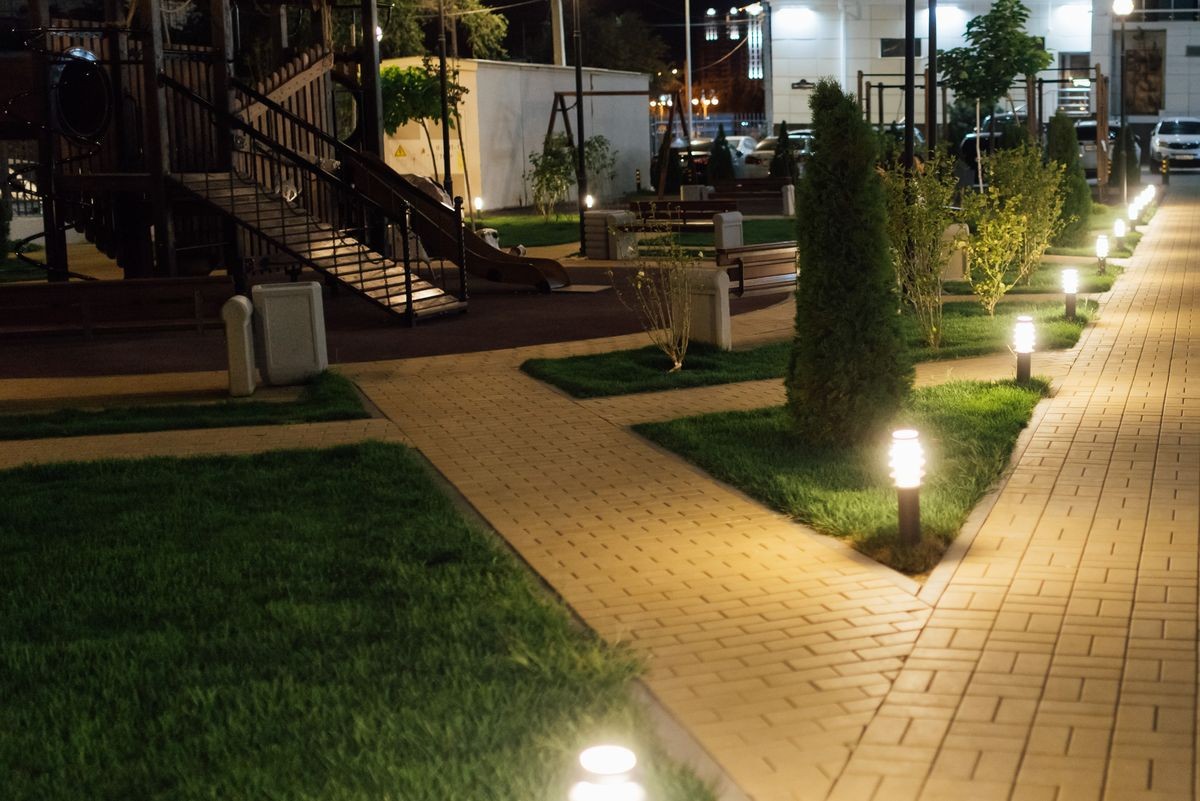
x=978 y=147
x=432 y=155
x=462 y=150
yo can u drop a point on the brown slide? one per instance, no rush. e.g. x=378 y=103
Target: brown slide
x=434 y=222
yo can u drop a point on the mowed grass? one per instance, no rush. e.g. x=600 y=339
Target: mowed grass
x=968 y=430
x=294 y=625
x=327 y=397
x=531 y=229
x=1049 y=280
x=1101 y=222
x=966 y=331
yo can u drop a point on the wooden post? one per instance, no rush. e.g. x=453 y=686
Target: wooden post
x=1101 y=84
x=55 y=240
x=1031 y=105
x=156 y=138
x=867 y=97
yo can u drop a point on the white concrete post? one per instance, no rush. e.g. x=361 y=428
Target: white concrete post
x=622 y=245
x=238 y=315
x=727 y=230
x=709 y=290
x=691 y=192
x=788 y=192
x=956 y=266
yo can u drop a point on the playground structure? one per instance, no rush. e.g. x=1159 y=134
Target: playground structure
x=174 y=163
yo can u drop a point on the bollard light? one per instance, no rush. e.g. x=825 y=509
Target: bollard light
x=607 y=775
x=1102 y=253
x=907 y=460
x=589 y=201
x=1023 y=341
x=1119 y=231
x=1070 y=286
x=1134 y=213
x=478 y=204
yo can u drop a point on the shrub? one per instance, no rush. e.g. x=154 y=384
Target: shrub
x=720 y=162
x=1063 y=147
x=552 y=172
x=848 y=371
x=919 y=209
x=1035 y=186
x=599 y=159
x=784 y=161
x=660 y=294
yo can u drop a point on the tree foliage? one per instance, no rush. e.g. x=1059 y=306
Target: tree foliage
x=919 y=210
x=997 y=52
x=1062 y=147
x=848 y=371
x=600 y=161
x=720 y=161
x=551 y=173
x=784 y=161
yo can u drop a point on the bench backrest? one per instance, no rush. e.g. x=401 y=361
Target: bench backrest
x=679 y=209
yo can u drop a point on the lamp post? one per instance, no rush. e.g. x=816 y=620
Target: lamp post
x=907 y=460
x=1102 y=254
x=1070 y=286
x=931 y=87
x=1123 y=8
x=910 y=79
x=1023 y=339
x=580 y=165
x=607 y=775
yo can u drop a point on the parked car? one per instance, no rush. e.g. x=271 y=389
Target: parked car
x=1085 y=133
x=695 y=170
x=758 y=163
x=988 y=142
x=1176 y=139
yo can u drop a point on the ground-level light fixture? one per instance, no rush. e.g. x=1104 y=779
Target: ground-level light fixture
x=589 y=201
x=907 y=460
x=1134 y=213
x=1070 y=287
x=1023 y=341
x=1102 y=253
x=1119 y=230
x=607 y=775
x=478 y=204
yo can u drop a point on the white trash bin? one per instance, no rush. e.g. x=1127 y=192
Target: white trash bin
x=289 y=324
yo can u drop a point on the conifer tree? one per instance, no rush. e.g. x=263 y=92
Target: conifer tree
x=848 y=370
x=720 y=161
x=1062 y=145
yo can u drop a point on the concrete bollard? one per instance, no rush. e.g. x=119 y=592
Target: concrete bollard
x=238 y=316
x=709 y=295
x=788 y=200
x=727 y=230
x=622 y=245
x=691 y=192
x=290 y=327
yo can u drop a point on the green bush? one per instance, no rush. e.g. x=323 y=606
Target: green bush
x=552 y=172
x=784 y=161
x=1130 y=163
x=720 y=163
x=848 y=371
x=1063 y=146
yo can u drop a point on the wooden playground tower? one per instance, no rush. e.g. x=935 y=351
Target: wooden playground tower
x=175 y=166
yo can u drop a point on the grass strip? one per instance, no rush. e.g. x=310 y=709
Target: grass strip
x=968 y=429
x=966 y=331
x=531 y=229
x=300 y=625
x=1049 y=280
x=327 y=397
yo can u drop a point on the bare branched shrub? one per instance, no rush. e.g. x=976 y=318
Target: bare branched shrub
x=660 y=293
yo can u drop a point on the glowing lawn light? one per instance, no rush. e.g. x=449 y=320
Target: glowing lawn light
x=1070 y=286
x=589 y=201
x=1119 y=231
x=907 y=460
x=1023 y=341
x=608 y=775
x=1102 y=253
x=1134 y=213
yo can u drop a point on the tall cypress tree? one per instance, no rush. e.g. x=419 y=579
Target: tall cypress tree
x=720 y=161
x=848 y=370
x=1062 y=145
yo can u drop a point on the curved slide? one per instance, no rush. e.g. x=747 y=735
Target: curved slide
x=434 y=223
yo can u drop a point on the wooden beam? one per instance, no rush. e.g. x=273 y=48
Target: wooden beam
x=157 y=145
x=290 y=86
x=371 y=108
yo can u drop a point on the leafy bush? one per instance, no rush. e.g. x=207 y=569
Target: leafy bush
x=599 y=159
x=1062 y=147
x=720 y=162
x=551 y=172
x=848 y=370
x=919 y=210
x=1035 y=186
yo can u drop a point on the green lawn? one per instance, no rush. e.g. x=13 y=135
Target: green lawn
x=1049 y=279
x=968 y=430
x=12 y=269
x=293 y=625
x=531 y=229
x=1101 y=222
x=967 y=331
x=327 y=397
x=754 y=232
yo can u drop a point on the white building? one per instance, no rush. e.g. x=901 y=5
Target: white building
x=839 y=38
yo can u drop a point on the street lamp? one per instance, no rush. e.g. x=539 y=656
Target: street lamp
x=1070 y=286
x=907 y=460
x=1102 y=254
x=580 y=165
x=607 y=775
x=1123 y=8
x=1023 y=339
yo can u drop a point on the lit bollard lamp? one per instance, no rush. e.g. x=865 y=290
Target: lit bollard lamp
x=907 y=461
x=1070 y=286
x=1023 y=337
x=1134 y=212
x=608 y=775
x=1102 y=254
x=1119 y=230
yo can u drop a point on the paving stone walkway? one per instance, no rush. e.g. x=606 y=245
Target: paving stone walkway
x=1053 y=657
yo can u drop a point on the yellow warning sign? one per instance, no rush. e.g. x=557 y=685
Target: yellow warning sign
x=400 y=152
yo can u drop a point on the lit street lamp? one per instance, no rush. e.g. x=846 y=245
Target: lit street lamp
x=607 y=775
x=1123 y=8
x=1070 y=286
x=907 y=460
x=1023 y=339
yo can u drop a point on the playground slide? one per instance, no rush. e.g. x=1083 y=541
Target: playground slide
x=434 y=222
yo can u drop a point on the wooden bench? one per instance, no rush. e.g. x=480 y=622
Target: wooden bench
x=676 y=215
x=132 y=304
x=752 y=195
x=760 y=268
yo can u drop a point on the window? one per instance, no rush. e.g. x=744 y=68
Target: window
x=894 y=48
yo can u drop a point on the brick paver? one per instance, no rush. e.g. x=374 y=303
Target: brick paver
x=1053 y=658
